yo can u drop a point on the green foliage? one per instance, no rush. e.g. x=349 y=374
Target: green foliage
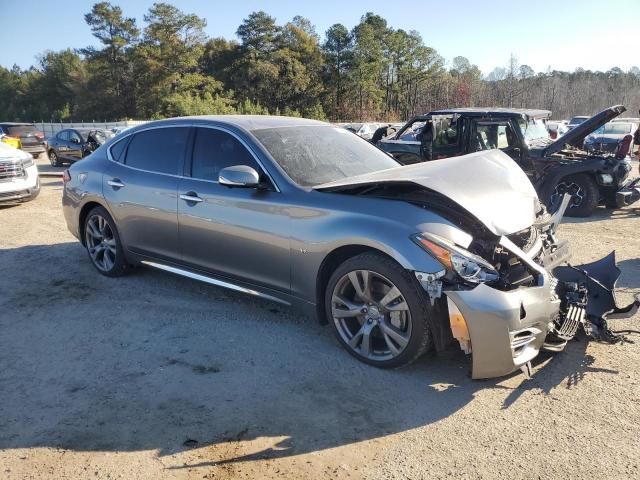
x=169 y=67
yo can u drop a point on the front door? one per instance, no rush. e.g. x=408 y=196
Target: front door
x=237 y=232
x=141 y=187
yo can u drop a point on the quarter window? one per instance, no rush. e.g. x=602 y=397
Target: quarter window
x=117 y=149
x=214 y=150
x=158 y=150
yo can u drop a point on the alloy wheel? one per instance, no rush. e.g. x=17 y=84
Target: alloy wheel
x=101 y=242
x=371 y=315
x=573 y=189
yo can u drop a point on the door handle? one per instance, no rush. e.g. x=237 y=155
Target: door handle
x=190 y=197
x=115 y=183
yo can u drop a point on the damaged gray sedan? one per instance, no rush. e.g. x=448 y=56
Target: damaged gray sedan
x=397 y=259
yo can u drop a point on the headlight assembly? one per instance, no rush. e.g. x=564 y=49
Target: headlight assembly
x=27 y=163
x=468 y=266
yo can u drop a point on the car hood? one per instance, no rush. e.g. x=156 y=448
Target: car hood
x=489 y=185
x=575 y=137
x=8 y=153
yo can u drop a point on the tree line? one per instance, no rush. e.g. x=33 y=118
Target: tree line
x=169 y=67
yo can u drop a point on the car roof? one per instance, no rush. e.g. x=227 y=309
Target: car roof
x=494 y=110
x=17 y=124
x=247 y=122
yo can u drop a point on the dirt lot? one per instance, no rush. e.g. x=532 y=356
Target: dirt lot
x=153 y=376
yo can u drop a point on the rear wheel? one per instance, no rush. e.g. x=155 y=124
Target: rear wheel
x=103 y=243
x=584 y=194
x=53 y=158
x=378 y=311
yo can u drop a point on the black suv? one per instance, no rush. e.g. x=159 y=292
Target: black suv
x=31 y=139
x=554 y=167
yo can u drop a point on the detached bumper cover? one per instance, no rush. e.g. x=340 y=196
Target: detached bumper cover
x=507 y=329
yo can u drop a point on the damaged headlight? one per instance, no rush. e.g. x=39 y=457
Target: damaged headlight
x=468 y=266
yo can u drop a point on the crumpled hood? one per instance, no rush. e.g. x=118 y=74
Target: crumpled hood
x=489 y=185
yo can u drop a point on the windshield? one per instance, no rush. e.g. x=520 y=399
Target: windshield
x=617 y=128
x=313 y=155
x=533 y=129
x=577 y=120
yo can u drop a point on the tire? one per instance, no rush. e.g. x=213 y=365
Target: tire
x=586 y=194
x=381 y=328
x=54 y=159
x=103 y=244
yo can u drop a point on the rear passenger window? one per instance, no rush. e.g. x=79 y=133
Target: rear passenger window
x=117 y=149
x=158 y=150
x=214 y=150
x=63 y=135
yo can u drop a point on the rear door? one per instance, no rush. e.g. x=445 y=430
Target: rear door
x=141 y=184
x=241 y=233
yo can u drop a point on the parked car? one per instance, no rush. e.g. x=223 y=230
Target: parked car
x=73 y=144
x=613 y=137
x=364 y=130
x=575 y=121
x=556 y=128
x=554 y=167
x=396 y=258
x=31 y=139
x=19 y=180
x=11 y=141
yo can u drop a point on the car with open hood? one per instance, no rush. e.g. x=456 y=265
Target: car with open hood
x=72 y=144
x=555 y=167
x=612 y=137
x=397 y=259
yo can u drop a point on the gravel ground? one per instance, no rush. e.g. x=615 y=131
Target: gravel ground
x=154 y=376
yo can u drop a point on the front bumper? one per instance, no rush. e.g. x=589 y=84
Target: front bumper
x=507 y=328
x=20 y=189
x=629 y=193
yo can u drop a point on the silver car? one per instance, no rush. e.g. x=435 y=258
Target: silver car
x=397 y=259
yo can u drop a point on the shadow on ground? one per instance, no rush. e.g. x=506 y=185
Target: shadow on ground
x=152 y=361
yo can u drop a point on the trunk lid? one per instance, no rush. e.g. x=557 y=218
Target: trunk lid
x=575 y=137
x=488 y=184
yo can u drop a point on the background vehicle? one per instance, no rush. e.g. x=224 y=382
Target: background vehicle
x=73 y=144
x=11 y=141
x=395 y=258
x=575 y=121
x=556 y=128
x=611 y=138
x=554 y=167
x=18 y=175
x=31 y=139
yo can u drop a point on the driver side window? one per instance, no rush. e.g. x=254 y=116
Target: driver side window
x=63 y=135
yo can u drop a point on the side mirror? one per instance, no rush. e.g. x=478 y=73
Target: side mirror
x=239 y=176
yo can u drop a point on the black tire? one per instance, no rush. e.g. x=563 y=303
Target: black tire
x=117 y=265
x=54 y=159
x=585 y=203
x=419 y=307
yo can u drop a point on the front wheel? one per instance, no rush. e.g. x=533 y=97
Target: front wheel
x=53 y=159
x=378 y=311
x=103 y=243
x=584 y=194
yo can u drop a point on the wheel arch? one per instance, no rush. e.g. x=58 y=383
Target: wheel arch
x=550 y=182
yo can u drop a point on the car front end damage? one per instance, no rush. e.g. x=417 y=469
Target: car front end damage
x=504 y=274
x=532 y=299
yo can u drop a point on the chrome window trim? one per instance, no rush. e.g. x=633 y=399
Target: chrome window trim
x=213 y=281
x=191 y=125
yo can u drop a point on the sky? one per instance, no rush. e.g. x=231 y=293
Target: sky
x=559 y=34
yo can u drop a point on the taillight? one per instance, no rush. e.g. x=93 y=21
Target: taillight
x=39 y=135
x=66 y=176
